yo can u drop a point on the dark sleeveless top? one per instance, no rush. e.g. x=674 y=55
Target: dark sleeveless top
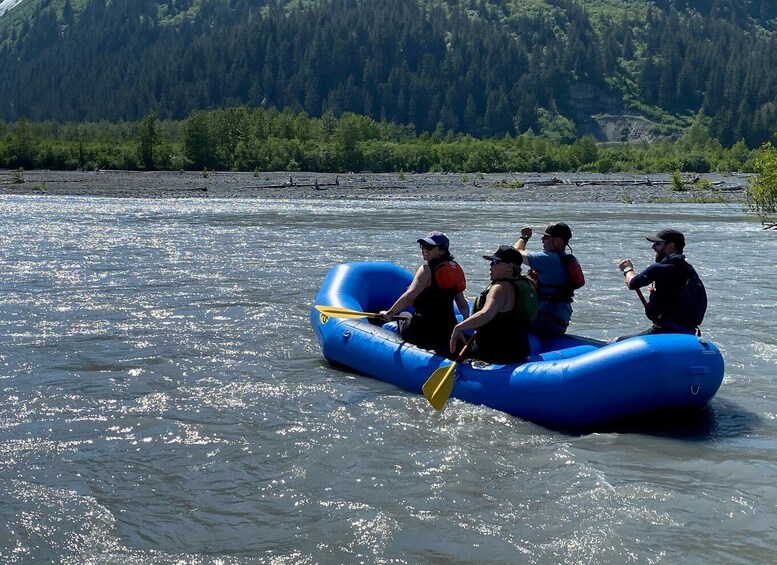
x=505 y=339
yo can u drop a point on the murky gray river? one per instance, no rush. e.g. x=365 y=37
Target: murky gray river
x=163 y=399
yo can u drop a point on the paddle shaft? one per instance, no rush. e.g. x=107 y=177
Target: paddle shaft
x=336 y=312
x=464 y=349
x=460 y=356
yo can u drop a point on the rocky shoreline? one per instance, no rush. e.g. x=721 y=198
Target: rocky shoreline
x=494 y=187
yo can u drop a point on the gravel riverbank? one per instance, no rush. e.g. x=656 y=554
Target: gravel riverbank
x=495 y=187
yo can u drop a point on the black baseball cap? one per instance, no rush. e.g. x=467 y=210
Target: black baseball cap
x=506 y=253
x=669 y=236
x=559 y=229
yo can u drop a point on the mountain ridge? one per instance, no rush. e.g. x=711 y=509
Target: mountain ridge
x=555 y=67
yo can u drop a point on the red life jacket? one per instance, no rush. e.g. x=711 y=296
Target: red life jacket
x=448 y=275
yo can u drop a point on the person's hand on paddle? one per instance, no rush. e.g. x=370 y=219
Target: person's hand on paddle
x=625 y=265
x=386 y=316
x=627 y=268
x=456 y=337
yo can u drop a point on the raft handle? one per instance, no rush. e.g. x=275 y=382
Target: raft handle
x=695 y=389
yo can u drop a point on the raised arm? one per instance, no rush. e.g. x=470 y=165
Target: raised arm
x=520 y=243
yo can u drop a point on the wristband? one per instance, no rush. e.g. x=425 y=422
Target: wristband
x=629 y=270
x=525 y=237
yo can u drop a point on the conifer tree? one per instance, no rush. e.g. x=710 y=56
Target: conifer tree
x=148 y=138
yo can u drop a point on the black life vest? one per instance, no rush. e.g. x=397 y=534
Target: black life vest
x=505 y=339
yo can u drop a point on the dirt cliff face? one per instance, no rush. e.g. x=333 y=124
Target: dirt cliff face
x=633 y=128
x=602 y=115
x=6 y=5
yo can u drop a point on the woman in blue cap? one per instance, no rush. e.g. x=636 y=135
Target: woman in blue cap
x=437 y=284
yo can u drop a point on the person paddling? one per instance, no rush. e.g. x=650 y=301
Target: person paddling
x=437 y=284
x=678 y=300
x=502 y=314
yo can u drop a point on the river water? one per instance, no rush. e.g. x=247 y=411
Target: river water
x=163 y=398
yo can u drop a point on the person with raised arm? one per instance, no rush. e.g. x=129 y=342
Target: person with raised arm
x=557 y=274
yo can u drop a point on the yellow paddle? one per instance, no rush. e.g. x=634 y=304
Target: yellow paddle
x=438 y=387
x=335 y=312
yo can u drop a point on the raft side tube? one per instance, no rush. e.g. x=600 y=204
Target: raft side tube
x=367 y=287
x=621 y=379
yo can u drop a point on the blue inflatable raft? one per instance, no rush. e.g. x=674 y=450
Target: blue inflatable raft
x=572 y=382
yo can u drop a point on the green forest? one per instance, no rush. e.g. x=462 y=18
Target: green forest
x=258 y=139
x=431 y=79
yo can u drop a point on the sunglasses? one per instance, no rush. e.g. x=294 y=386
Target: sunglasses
x=495 y=261
x=426 y=246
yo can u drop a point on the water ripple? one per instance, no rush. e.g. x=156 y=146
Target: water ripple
x=164 y=399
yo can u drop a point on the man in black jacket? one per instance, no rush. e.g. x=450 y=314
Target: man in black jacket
x=678 y=299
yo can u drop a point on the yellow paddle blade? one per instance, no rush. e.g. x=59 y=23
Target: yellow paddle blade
x=438 y=387
x=334 y=312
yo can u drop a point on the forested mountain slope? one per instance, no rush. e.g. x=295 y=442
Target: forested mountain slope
x=486 y=68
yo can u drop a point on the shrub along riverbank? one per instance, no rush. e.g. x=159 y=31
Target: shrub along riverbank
x=246 y=139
